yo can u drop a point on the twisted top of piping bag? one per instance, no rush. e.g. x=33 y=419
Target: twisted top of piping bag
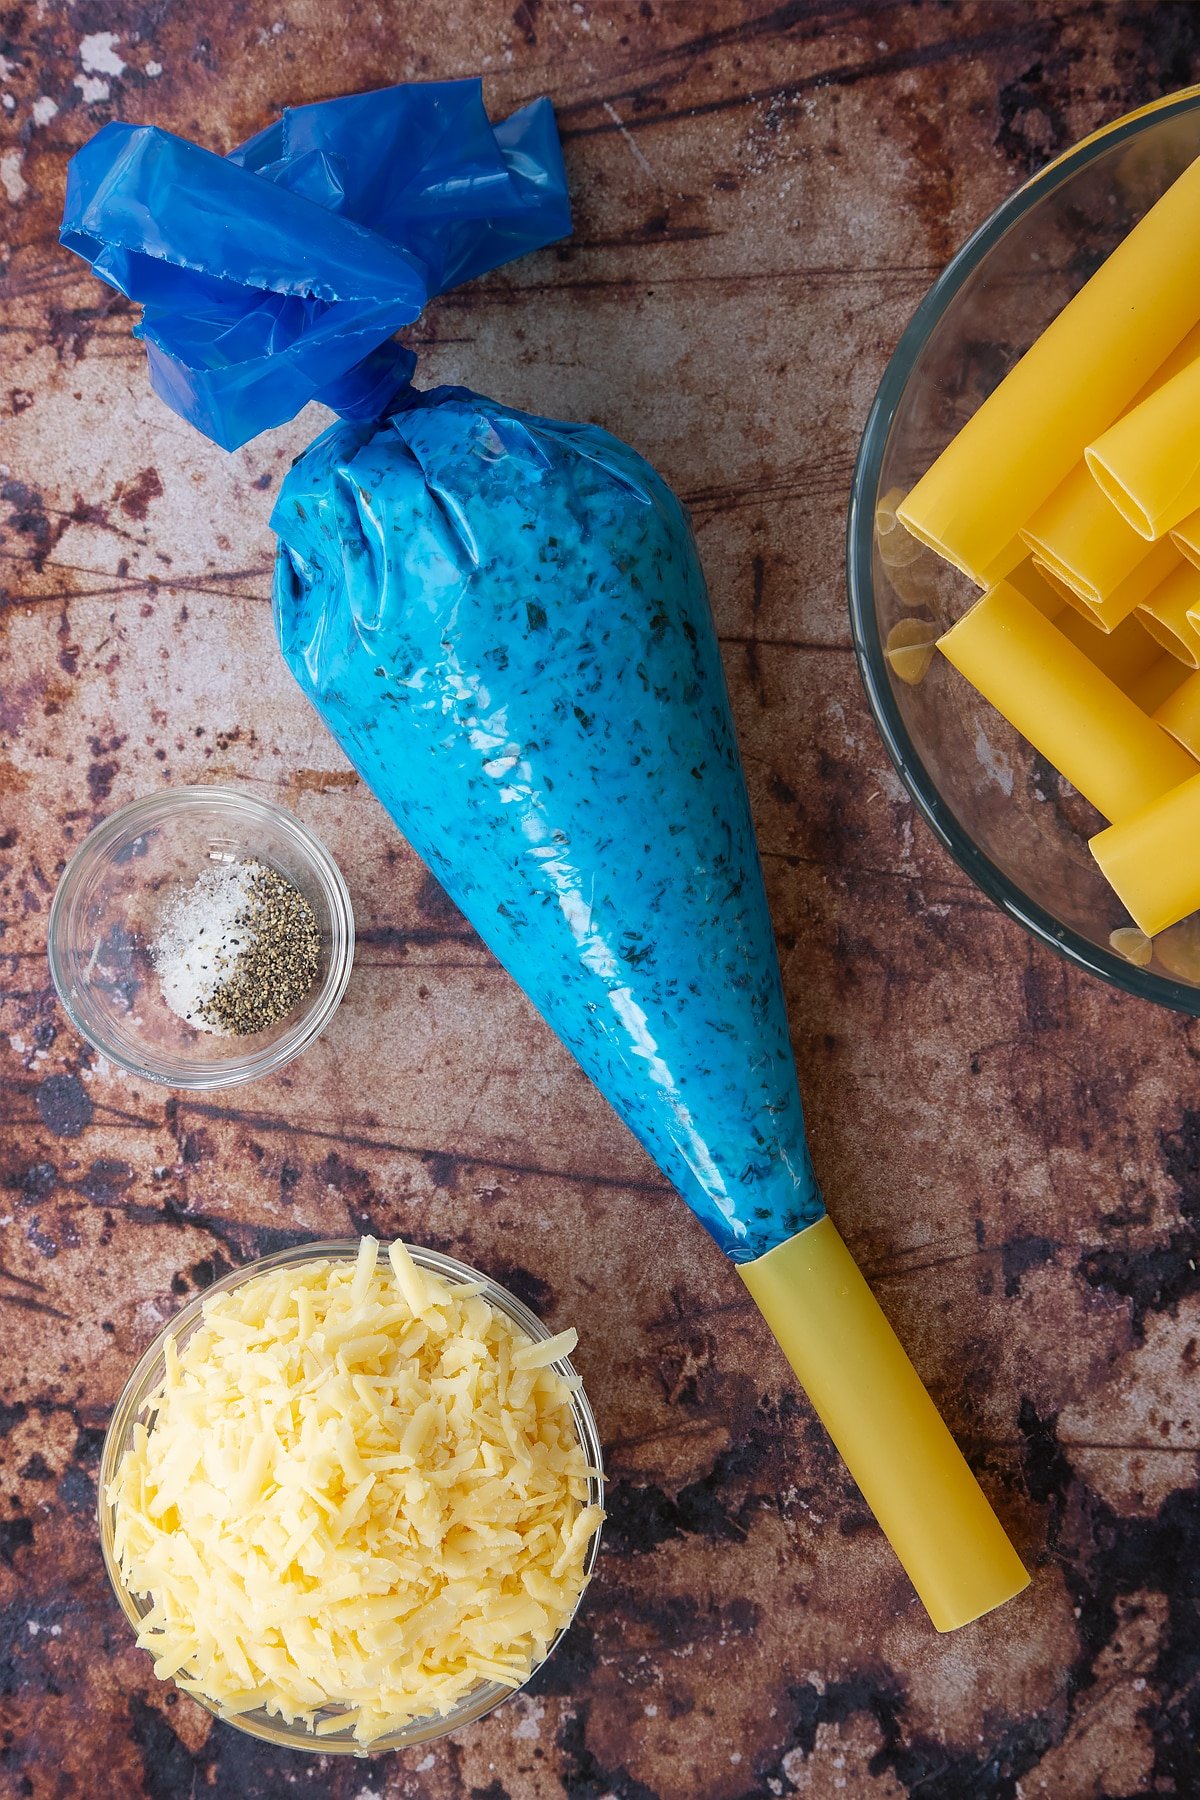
x=279 y=274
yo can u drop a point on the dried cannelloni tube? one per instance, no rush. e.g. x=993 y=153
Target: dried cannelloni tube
x=1148 y=463
x=1081 y=374
x=1079 y=719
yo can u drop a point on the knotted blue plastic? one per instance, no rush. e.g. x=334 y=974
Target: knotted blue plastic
x=280 y=273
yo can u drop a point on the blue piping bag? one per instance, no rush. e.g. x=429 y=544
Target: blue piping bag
x=503 y=620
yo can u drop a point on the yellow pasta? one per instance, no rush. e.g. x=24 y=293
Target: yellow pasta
x=1179 y=713
x=897 y=547
x=1082 y=538
x=1126 y=654
x=1042 y=588
x=1152 y=858
x=1078 y=533
x=1095 y=735
x=1155 y=687
x=885 y=511
x=1186 y=537
x=1078 y=377
x=1148 y=463
x=1168 y=612
x=909 y=649
x=1133 y=945
x=1157 y=562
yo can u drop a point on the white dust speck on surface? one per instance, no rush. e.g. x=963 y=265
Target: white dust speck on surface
x=98 y=54
x=994 y=762
x=11 y=179
x=44 y=109
x=200 y=938
x=153 y=69
x=10 y=103
x=894 y=788
x=426 y=1762
x=627 y=136
x=529 y=1729
x=845 y=727
x=149 y=1315
x=92 y=88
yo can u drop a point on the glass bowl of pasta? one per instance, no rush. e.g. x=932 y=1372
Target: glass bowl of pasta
x=1010 y=819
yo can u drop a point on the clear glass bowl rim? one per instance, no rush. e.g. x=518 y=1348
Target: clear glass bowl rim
x=148 y=1372
x=156 y=808
x=869 y=651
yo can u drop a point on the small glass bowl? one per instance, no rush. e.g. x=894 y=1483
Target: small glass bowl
x=105 y=914
x=1017 y=829
x=148 y=1376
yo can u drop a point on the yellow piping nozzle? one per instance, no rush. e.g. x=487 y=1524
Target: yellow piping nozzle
x=890 y=1435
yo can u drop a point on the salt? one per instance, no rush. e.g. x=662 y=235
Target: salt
x=204 y=932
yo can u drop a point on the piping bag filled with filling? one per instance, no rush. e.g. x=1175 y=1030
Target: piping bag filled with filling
x=503 y=621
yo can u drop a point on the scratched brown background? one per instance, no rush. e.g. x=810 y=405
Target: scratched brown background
x=763 y=194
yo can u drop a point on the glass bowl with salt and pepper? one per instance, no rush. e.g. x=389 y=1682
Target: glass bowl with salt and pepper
x=201 y=937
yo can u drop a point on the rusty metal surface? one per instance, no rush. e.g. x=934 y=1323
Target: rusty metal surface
x=763 y=193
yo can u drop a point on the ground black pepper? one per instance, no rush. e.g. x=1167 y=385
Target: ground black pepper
x=279 y=964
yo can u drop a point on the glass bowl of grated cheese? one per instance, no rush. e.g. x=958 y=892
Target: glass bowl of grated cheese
x=377 y=1492
x=195 y=897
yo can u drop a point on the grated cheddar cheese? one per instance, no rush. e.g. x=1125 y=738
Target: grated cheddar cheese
x=361 y=1494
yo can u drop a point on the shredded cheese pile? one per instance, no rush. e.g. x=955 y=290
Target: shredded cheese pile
x=362 y=1488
